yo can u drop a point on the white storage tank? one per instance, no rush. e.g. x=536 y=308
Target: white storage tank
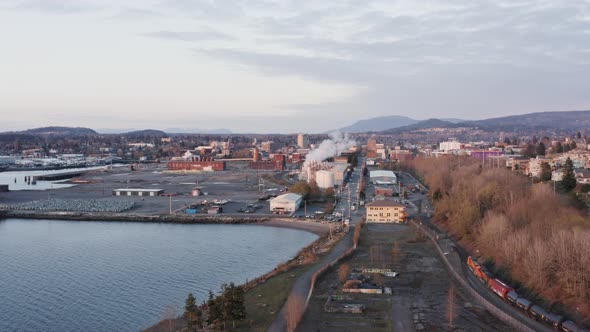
x=324 y=179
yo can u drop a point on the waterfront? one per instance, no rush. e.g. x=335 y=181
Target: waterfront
x=72 y=276
x=16 y=179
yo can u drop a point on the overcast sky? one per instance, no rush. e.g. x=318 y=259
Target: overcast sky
x=286 y=66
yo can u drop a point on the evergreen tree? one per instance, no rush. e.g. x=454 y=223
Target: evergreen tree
x=190 y=311
x=540 y=149
x=545 y=172
x=579 y=135
x=569 y=178
x=214 y=307
x=233 y=298
x=558 y=147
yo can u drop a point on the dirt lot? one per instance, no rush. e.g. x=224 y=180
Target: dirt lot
x=423 y=296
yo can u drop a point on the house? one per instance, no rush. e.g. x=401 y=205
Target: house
x=385 y=212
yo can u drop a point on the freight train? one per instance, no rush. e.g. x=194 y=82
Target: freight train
x=509 y=295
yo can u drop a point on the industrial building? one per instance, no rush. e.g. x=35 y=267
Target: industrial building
x=385 y=212
x=202 y=165
x=138 y=192
x=338 y=170
x=324 y=179
x=286 y=203
x=383 y=177
x=278 y=163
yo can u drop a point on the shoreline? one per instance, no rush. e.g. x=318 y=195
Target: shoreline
x=317 y=228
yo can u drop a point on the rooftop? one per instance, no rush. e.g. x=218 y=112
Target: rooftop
x=384 y=204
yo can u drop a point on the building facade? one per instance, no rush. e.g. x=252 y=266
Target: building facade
x=385 y=212
x=286 y=203
x=302 y=141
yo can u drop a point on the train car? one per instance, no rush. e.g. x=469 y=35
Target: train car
x=538 y=313
x=473 y=264
x=554 y=320
x=569 y=326
x=524 y=304
x=500 y=288
x=511 y=297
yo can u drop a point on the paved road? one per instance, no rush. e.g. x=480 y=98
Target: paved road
x=302 y=285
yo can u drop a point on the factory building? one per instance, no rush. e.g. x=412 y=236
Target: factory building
x=286 y=203
x=278 y=163
x=202 y=165
x=339 y=170
x=302 y=141
x=324 y=179
x=138 y=192
x=383 y=177
x=401 y=155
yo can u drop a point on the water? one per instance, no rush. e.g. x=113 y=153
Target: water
x=20 y=184
x=107 y=276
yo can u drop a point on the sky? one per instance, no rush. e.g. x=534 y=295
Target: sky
x=274 y=66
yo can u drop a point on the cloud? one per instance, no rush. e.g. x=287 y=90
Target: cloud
x=191 y=36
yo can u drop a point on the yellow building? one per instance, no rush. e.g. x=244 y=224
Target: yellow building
x=385 y=212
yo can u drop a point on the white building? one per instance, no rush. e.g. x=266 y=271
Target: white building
x=302 y=141
x=450 y=146
x=286 y=203
x=383 y=177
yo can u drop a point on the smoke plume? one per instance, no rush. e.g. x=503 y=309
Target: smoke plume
x=332 y=147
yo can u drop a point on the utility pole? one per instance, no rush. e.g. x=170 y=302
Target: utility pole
x=349 y=204
x=170 y=202
x=305 y=207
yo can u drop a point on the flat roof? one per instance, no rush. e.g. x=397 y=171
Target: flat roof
x=138 y=190
x=385 y=204
x=288 y=197
x=382 y=173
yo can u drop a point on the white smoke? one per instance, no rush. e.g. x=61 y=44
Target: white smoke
x=332 y=147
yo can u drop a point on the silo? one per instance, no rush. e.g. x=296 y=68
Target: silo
x=324 y=179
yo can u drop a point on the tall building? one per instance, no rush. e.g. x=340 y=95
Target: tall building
x=302 y=141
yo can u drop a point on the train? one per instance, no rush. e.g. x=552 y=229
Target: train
x=508 y=294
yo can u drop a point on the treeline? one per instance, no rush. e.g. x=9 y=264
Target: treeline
x=217 y=310
x=535 y=238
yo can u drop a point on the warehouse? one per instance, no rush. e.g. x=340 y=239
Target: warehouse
x=383 y=177
x=138 y=192
x=285 y=204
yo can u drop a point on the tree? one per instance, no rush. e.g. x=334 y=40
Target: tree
x=569 y=178
x=314 y=190
x=192 y=312
x=301 y=188
x=232 y=299
x=540 y=149
x=329 y=193
x=529 y=151
x=214 y=308
x=579 y=135
x=558 y=147
x=545 y=172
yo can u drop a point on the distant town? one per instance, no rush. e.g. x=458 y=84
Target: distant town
x=392 y=211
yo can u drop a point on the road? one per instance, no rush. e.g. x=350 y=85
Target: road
x=302 y=285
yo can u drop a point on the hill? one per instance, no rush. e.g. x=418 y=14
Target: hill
x=379 y=123
x=430 y=123
x=146 y=132
x=567 y=120
x=60 y=131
